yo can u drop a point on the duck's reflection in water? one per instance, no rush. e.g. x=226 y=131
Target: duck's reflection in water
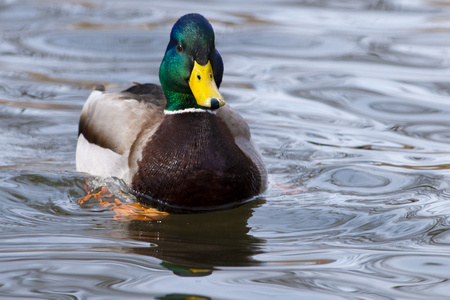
x=194 y=244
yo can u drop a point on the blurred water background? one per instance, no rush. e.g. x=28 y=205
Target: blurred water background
x=349 y=100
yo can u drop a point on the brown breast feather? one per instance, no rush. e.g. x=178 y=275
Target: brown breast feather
x=192 y=162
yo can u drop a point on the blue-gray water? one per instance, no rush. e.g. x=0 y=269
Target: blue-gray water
x=349 y=100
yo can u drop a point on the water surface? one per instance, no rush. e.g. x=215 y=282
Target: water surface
x=348 y=100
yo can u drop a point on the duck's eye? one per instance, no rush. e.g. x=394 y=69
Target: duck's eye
x=179 y=48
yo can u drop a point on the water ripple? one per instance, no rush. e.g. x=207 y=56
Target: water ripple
x=103 y=45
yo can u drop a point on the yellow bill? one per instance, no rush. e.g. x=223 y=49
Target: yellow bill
x=204 y=87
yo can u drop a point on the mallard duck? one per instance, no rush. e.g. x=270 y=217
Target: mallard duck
x=177 y=145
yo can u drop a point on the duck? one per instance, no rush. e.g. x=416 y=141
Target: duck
x=178 y=145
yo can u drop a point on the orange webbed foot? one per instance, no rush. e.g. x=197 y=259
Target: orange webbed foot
x=123 y=211
x=289 y=189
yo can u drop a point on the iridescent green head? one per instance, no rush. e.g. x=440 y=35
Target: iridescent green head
x=192 y=68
